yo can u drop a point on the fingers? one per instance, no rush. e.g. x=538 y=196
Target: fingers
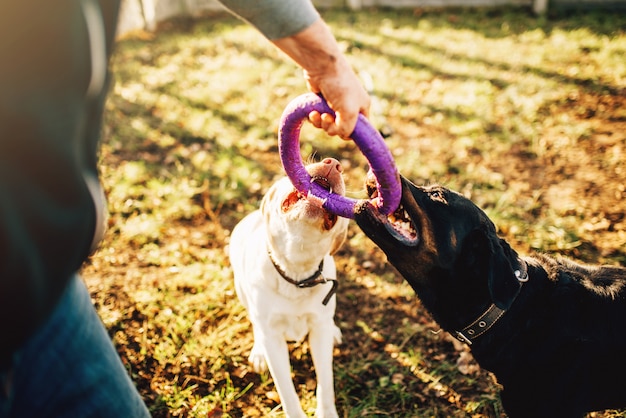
x=345 y=124
x=347 y=97
x=316 y=119
x=342 y=124
x=330 y=124
x=327 y=71
x=345 y=94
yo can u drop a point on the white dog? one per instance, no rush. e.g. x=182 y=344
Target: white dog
x=285 y=277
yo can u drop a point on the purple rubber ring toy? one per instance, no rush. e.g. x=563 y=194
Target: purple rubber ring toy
x=367 y=139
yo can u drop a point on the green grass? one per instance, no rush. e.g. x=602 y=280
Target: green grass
x=524 y=115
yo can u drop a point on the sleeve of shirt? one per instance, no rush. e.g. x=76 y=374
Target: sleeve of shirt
x=275 y=19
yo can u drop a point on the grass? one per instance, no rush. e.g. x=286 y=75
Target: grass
x=524 y=115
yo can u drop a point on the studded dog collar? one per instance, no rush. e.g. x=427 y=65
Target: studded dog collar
x=488 y=319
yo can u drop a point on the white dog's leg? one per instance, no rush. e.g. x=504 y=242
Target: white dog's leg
x=277 y=356
x=321 y=340
x=257 y=357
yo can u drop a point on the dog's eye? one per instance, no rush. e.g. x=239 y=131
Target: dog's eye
x=438 y=196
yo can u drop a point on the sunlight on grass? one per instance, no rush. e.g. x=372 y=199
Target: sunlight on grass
x=523 y=115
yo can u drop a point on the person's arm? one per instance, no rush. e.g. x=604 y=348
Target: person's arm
x=296 y=28
x=327 y=71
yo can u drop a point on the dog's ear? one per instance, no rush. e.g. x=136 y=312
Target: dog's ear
x=486 y=257
x=474 y=259
x=503 y=285
x=340 y=235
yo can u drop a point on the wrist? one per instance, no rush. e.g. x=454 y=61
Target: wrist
x=315 y=50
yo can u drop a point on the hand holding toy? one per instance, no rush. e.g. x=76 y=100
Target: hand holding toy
x=368 y=140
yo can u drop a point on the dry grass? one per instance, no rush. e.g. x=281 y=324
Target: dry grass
x=524 y=115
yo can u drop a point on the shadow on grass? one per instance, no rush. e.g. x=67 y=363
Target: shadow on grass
x=392 y=361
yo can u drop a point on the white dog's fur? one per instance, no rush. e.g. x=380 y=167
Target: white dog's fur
x=298 y=234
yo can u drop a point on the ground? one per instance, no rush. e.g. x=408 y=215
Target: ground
x=524 y=115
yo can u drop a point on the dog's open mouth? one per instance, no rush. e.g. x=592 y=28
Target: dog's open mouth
x=398 y=223
x=295 y=195
x=323 y=182
x=330 y=219
x=403 y=225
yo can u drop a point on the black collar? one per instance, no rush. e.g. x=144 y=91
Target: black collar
x=488 y=319
x=313 y=280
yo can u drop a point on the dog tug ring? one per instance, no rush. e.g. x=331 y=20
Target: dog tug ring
x=369 y=141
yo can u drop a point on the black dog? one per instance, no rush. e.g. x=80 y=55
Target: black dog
x=552 y=331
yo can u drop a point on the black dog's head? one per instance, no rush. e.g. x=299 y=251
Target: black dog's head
x=443 y=245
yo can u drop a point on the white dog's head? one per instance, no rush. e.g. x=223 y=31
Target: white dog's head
x=290 y=213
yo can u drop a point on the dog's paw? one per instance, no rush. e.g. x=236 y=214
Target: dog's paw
x=257 y=360
x=337 y=335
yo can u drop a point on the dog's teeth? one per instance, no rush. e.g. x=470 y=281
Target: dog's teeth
x=318 y=201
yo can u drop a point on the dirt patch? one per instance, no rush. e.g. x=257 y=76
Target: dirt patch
x=164 y=289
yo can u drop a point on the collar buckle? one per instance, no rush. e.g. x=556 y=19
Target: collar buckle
x=461 y=337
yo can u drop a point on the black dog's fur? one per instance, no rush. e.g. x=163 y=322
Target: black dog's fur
x=560 y=348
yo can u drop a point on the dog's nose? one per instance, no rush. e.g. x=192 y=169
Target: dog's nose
x=332 y=162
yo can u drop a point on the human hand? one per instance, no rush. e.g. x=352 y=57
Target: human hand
x=345 y=94
x=327 y=71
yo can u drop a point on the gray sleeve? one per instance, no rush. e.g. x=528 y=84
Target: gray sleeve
x=275 y=18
